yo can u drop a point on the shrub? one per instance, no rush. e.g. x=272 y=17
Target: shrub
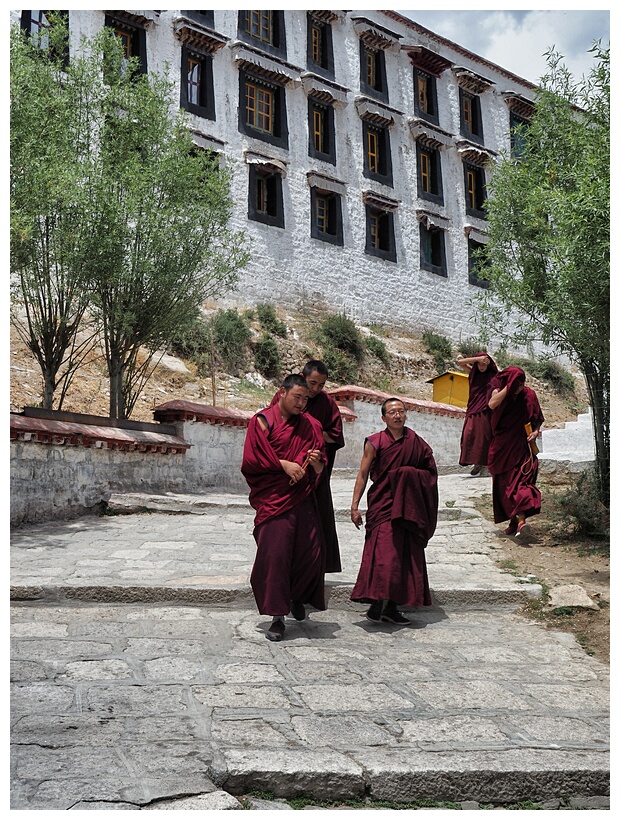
x=269 y=321
x=469 y=347
x=267 y=357
x=557 y=376
x=342 y=367
x=439 y=347
x=581 y=505
x=377 y=348
x=340 y=332
x=192 y=342
x=231 y=334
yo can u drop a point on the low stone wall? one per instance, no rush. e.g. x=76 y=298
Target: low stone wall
x=66 y=464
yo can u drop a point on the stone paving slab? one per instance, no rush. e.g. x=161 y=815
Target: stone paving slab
x=148 y=706
x=201 y=549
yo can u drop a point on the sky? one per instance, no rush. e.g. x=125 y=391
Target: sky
x=517 y=40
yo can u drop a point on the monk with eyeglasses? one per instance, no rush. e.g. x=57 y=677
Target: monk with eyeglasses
x=401 y=517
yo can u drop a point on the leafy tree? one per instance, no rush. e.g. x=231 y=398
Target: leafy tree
x=153 y=211
x=548 y=253
x=52 y=156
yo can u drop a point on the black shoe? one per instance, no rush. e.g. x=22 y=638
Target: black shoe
x=298 y=610
x=393 y=616
x=374 y=612
x=275 y=631
x=476 y=470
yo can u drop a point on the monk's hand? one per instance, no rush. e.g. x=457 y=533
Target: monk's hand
x=356 y=517
x=293 y=470
x=533 y=435
x=313 y=458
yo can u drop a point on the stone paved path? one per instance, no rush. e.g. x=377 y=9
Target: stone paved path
x=141 y=678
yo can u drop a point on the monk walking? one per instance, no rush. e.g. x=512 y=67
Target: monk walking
x=283 y=458
x=512 y=461
x=476 y=435
x=324 y=409
x=400 y=520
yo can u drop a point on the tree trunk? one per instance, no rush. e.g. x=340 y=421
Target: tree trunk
x=598 y=392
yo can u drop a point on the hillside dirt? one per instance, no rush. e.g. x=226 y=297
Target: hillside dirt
x=553 y=556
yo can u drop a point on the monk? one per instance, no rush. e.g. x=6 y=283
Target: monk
x=400 y=519
x=512 y=462
x=476 y=435
x=324 y=409
x=283 y=458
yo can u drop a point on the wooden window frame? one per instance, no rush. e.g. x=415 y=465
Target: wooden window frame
x=472 y=266
x=375 y=85
x=331 y=230
x=428 y=110
x=377 y=153
x=205 y=105
x=265 y=116
x=380 y=236
x=321 y=59
x=475 y=190
x=270 y=32
x=137 y=36
x=471 y=116
x=265 y=198
x=430 y=184
x=433 y=250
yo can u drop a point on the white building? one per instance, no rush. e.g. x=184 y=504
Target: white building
x=359 y=142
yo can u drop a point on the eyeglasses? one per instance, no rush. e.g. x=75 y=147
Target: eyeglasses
x=395 y=412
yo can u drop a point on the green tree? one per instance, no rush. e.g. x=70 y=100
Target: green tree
x=152 y=210
x=548 y=253
x=51 y=155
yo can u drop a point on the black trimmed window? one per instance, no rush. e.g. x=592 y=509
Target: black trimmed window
x=197 y=94
x=265 y=203
x=518 y=142
x=429 y=173
x=262 y=109
x=377 y=155
x=322 y=143
x=373 y=80
x=471 y=116
x=475 y=190
x=326 y=216
x=132 y=38
x=476 y=263
x=264 y=29
x=380 y=240
x=37 y=24
x=425 y=95
x=433 y=249
x=205 y=18
x=320 y=46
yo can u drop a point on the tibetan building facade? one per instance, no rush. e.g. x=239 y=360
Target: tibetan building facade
x=360 y=143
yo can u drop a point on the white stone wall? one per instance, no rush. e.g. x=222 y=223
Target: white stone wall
x=288 y=267
x=441 y=433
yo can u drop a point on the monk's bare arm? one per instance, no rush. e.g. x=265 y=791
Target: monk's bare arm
x=497 y=397
x=291 y=468
x=360 y=483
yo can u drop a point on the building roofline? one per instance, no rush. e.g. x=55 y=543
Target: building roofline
x=394 y=15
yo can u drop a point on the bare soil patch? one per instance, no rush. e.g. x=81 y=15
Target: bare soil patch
x=554 y=557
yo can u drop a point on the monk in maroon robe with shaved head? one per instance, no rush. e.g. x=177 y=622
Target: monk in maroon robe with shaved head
x=324 y=409
x=512 y=463
x=283 y=458
x=400 y=520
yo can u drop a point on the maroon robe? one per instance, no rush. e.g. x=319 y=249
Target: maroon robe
x=289 y=563
x=510 y=463
x=476 y=434
x=400 y=520
x=324 y=409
